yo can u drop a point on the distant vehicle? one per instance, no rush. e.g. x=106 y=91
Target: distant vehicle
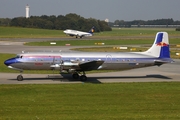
x=79 y=62
x=79 y=34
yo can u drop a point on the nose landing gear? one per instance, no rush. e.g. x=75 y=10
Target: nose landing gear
x=20 y=78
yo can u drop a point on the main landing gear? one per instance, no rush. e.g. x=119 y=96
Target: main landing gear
x=75 y=75
x=83 y=77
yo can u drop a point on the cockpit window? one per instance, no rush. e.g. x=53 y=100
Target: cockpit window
x=17 y=56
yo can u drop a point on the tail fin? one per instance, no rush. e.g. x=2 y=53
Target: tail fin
x=160 y=48
x=91 y=30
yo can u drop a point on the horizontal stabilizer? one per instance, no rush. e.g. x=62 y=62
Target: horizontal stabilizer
x=160 y=62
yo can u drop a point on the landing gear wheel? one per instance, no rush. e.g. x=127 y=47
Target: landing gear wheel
x=75 y=76
x=83 y=78
x=20 y=78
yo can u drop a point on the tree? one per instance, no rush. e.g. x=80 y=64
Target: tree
x=5 y=21
x=69 y=21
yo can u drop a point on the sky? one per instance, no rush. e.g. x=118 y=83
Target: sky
x=127 y=10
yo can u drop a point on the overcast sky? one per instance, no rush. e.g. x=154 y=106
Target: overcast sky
x=127 y=10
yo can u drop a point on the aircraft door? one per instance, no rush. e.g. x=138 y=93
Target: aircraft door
x=56 y=62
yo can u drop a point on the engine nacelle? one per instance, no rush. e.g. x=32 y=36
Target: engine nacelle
x=67 y=65
x=71 y=70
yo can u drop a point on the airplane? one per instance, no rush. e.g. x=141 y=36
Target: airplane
x=79 y=34
x=77 y=63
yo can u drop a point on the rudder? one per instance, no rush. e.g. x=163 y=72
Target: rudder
x=91 y=30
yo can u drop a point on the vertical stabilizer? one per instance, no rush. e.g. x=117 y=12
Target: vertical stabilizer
x=160 y=48
x=91 y=30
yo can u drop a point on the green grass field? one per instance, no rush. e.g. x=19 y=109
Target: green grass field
x=137 y=31
x=16 y=32
x=95 y=42
x=127 y=101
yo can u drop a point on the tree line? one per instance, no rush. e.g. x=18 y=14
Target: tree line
x=74 y=21
x=122 y=23
x=69 y=21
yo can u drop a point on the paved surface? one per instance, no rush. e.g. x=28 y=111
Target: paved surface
x=18 y=47
x=165 y=73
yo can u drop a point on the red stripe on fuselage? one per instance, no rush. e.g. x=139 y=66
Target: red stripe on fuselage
x=42 y=56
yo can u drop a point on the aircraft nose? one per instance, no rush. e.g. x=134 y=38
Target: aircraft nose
x=10 y=61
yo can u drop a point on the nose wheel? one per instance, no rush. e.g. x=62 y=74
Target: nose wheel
x=20 y=78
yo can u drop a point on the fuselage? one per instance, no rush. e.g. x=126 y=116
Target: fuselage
x=77 y=33
x=112 y=61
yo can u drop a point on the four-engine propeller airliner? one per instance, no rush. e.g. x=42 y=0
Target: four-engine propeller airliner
x=77 y=63
x=79 y=34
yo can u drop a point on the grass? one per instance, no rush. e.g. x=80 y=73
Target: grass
x=95 y=42
x=16 y=32
x=131 y=101
x=134 y=32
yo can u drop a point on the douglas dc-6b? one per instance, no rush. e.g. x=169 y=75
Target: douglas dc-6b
x=78 y=62
x=79 y=33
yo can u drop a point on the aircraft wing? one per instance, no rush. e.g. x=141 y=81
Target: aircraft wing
x=71 y=34
x=79 y=66
x=92 y=65
x=85 y=34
